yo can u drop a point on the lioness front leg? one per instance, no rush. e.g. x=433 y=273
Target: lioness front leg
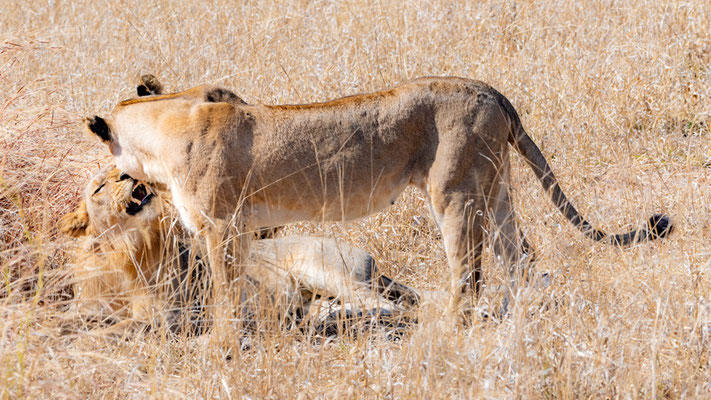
x=226 y=277
x=215 y=240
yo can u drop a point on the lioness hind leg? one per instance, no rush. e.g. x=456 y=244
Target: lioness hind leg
x=460 y=218
x=509 y=244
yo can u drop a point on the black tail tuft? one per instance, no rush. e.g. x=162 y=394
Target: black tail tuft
x=659 y=226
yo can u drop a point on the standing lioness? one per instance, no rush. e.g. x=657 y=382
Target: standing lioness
x=234 y=166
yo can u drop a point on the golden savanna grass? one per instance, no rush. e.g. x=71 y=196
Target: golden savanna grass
x=616 y=93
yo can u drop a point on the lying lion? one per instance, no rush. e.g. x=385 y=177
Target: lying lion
x=133 y=262
x=232 y=166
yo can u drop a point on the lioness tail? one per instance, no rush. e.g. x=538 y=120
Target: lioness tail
x=658 y=226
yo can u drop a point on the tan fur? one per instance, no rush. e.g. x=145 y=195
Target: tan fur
x=116 y=265
x=118 y=257
x=231 y=166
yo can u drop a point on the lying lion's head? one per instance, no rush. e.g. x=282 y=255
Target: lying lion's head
x=113 y=204
x=116 y=267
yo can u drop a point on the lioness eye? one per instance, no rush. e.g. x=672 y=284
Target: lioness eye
x=99 y=188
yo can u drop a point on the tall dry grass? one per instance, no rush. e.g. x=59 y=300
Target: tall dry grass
x=616 y=93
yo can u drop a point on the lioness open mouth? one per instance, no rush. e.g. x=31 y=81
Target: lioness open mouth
x=140 y=196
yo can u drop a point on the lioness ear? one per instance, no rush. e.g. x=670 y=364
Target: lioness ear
x=75 y=223
x=149 y=85
x=219 y=95
x=98 y=126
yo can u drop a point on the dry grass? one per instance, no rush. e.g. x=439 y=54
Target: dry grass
x=616 y=93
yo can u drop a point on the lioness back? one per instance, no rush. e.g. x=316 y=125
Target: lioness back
x=353 y=156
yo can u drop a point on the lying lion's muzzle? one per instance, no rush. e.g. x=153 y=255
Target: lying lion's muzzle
x=140 y=196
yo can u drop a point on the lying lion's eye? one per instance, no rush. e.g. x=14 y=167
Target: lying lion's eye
x=99 y=188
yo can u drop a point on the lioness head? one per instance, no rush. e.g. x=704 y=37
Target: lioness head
x=113 y=203
x=132 y=133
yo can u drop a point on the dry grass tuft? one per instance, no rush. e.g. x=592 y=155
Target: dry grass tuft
x=617 y=95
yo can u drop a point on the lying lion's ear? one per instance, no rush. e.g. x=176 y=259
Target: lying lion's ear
x=98 y=126
x=76 y=223
x=149 y=85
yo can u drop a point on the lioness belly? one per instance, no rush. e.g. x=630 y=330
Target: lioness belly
x=336 y=205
